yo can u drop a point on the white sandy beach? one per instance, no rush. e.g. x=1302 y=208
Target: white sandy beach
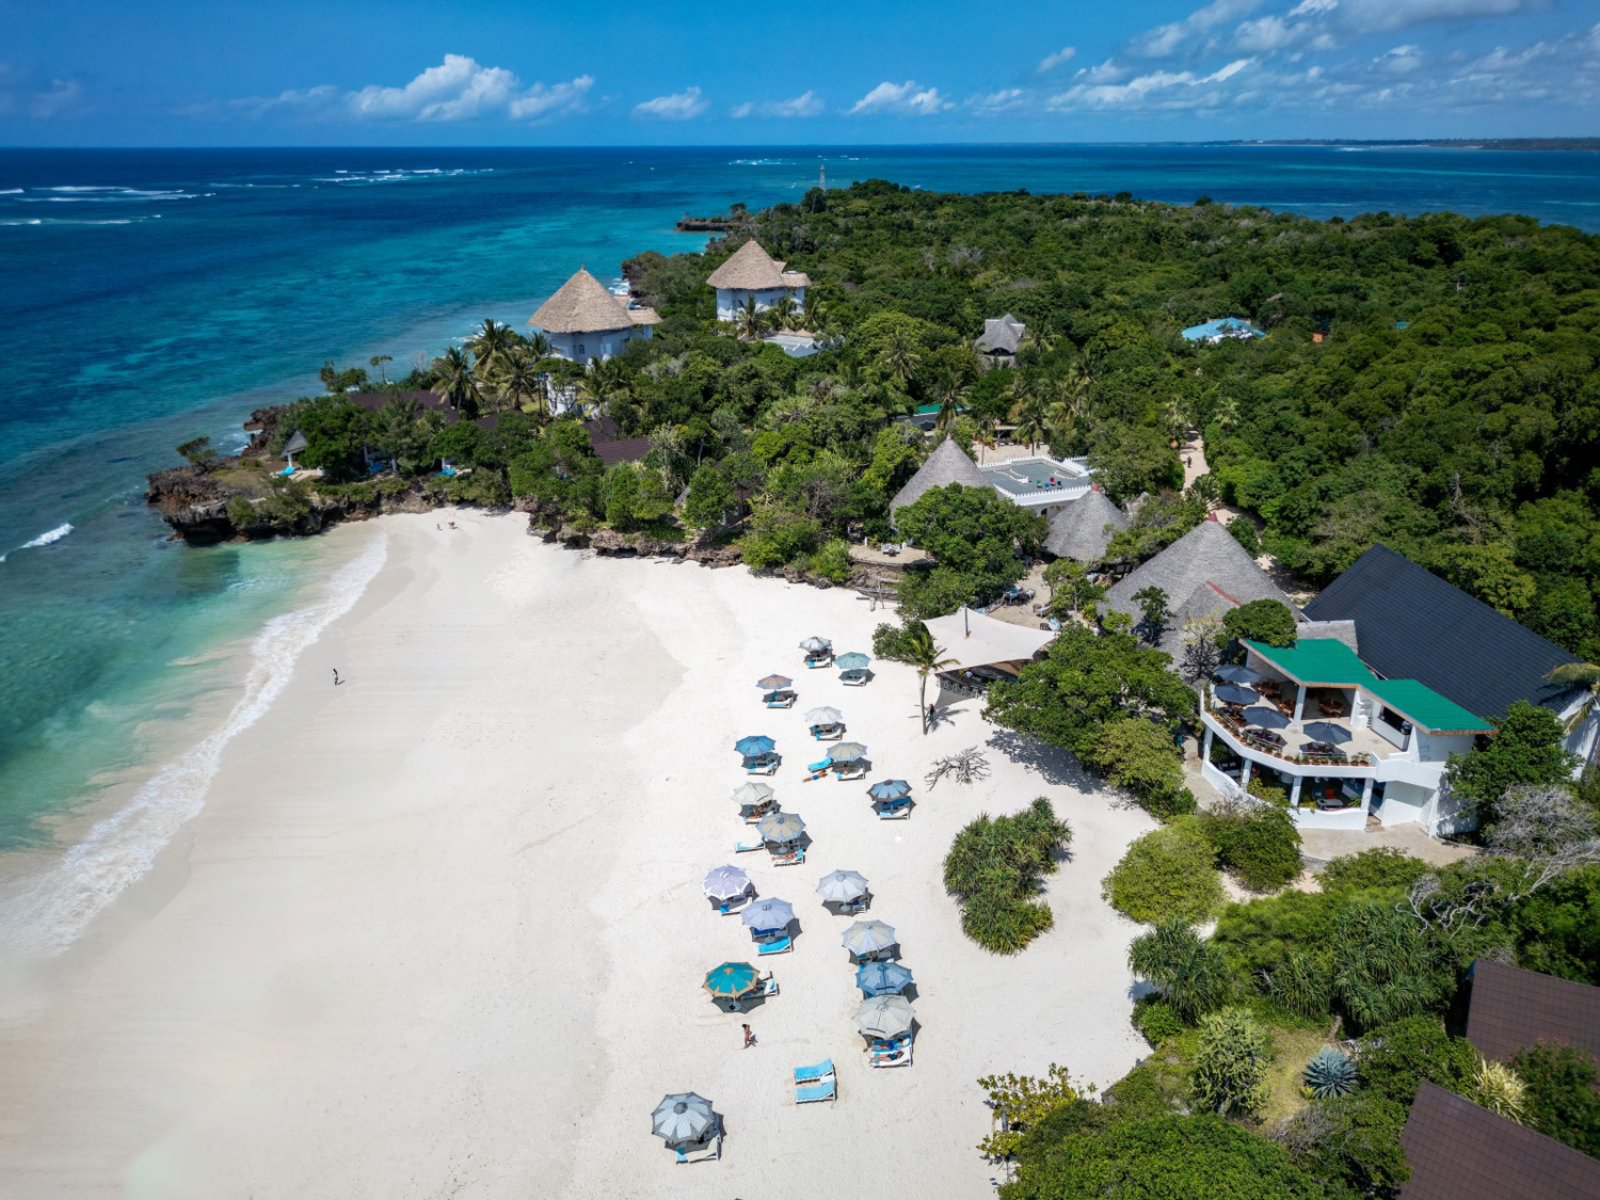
x=439 y=932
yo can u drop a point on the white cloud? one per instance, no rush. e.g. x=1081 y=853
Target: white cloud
x=679 y=106
x=458 y=89
x=1059 y=59
x=62 y=95
x=1189 y=34
x=540 y=102
x=1402 y=60
x=908 y=98
x=806 y=104
x=1109 y=71
x=1154 y=91
x=1006 y=100
x=1377 y=16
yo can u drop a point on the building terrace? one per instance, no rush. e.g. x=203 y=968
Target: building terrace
x=1337 y=735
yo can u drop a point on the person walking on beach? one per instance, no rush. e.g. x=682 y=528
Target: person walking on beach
x=749 y=1037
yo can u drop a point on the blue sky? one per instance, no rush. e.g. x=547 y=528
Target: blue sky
x=485 y=72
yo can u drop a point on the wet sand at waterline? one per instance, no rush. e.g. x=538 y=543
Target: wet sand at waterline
x=439 y=931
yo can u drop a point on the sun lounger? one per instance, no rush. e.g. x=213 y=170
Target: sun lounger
x=746 y=848
x=816 y=1083
x=729 y=907
x=706 y=1152
x=790 y=858
x=895 y=1052
x=827 y=733
x=782 y=946
x=769 y=985
x=854 y=678
x=855 y=770
x=894 y=812
x=821 y=660
x=780 y=699
x=765 y=764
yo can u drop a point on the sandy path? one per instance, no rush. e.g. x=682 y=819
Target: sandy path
x=439 y=932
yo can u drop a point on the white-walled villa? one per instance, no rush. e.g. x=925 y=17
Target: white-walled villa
x=752 y=272
x=585 y=322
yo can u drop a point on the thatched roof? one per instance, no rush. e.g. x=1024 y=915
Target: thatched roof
x=752 y=269
x=296 y=443
x=1083 y=529
x=1001 y=335
x=946 y=465
x=583 y=305
x=1204 y=574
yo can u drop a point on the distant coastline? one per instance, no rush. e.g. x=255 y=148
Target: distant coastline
x=1590 y=144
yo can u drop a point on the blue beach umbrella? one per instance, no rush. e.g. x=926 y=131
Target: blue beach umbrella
x=766 y=915
x=755 y=745
x=882 y=979
x=889 y=789
x=725 y=882
x=731 y=981
x=1265 y=718
x=1239 y=674
x=853 y=661
x=682 y=1118
x=816 y=645
x=847 y=752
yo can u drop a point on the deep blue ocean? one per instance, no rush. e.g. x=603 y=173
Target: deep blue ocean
x=151 y=296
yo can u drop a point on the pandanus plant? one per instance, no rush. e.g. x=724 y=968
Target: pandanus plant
x=1330 y=1074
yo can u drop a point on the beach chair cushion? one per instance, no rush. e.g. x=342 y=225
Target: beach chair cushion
x=809 y=1093
x=812 y=1074
x=782 y=946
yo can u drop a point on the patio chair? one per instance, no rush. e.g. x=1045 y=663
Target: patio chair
x=815 y=1083
x=790 y=858
x=781 y=946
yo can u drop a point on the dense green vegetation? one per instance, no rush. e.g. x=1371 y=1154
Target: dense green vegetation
x=996 y=868
x=1467 y=440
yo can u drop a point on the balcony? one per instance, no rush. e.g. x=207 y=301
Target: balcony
x=1357 y=758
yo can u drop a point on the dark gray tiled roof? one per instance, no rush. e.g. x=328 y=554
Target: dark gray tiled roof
x=1511 y=1008
x=1459 y=1151
x=1413 y=625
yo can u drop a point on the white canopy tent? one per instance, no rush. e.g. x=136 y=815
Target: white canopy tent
x=971 y=640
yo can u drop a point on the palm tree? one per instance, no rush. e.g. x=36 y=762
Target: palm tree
x=1227 y=414
x=784 y=310
x=454 y=381
x=519 y=380
x=899 y=357
x=812 y=313
x=395 y=427
x=915 y=647
x=1032 y=422
x=604 y=388
x=749 y=319
x=491 y=345
x=951 y=395
x=538 y=346
x=1587 y=677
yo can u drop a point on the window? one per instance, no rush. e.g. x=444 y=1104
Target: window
x=580 y=348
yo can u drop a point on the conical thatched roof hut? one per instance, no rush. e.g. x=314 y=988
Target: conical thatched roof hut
x=583 y=305
x=1204 y=574
x=1083 y=529
x=946 y=465
x=752 y=269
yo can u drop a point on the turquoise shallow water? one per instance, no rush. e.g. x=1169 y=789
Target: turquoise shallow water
x=153 y=296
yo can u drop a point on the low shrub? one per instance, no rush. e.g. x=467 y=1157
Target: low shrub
x=1155 y=1019
x=832 y=561
x=1396 y=1057
x=1380 y=868
x=1260 y=846
x=1561 y=1099
x=1166 y=875
x=1191 y=975
x=1230 y=1063
x=996 y=867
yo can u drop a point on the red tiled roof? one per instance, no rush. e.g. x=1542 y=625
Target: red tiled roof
x=1459 y=1151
